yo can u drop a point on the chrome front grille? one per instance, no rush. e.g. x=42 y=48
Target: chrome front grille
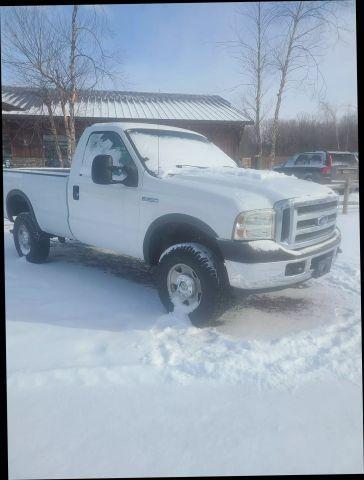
x=303 y=223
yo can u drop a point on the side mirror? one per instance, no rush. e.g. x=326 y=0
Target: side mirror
x=131 y=172
x=101 y=170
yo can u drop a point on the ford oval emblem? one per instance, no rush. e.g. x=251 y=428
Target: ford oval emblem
x=323 y=220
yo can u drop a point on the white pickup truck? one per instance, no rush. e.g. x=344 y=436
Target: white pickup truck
x=171 y=198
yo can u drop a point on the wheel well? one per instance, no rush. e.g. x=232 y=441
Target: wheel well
x=16 y=203
x=172 y=233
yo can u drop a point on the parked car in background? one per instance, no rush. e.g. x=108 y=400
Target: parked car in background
x=6 y=162
x=323 y=167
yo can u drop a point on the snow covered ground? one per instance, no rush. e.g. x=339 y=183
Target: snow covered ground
x=101 y=382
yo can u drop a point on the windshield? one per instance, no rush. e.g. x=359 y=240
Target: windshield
x=167 y=150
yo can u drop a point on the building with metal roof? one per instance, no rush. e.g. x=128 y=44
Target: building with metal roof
x=23 y=109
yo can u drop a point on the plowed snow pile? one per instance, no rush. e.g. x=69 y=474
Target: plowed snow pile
x=101 y=382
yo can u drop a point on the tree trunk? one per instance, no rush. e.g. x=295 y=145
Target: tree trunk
x=337 y=135
x=66 y=128
x=54 y=130
x=276 y=118
x=72 y=98
x=282 y=86
x=259 y=91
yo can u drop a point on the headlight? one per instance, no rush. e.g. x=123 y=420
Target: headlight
x=254 y=225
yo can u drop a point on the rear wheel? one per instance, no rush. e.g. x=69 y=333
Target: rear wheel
x=29 y=241
x=191 y=279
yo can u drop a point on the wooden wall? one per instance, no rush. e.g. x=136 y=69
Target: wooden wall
x=25 y=141
x=26 y=136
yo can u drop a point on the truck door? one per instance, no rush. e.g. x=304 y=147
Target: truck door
x=105 y=216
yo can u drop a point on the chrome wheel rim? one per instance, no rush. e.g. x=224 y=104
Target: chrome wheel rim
x=24 y=239
x=184 y=286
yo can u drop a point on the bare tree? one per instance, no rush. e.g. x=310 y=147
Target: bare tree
x=28 y=51
x=347 y=122
x=48 y=102
x=251 y=48
x=89 y=63
x=61 y=55
x=73 y=81
x=299 y=48
x=331 y=116
x=323 y=130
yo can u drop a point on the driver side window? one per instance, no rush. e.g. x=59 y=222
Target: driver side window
x=301 y=160
x=315 y=160
x=289 y=162
x=106 y=143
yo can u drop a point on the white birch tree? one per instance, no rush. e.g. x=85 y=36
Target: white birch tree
x=61 y=53
x=298 y=51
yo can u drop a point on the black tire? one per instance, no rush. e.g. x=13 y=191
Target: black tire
x=212 y=277
x=38 y=244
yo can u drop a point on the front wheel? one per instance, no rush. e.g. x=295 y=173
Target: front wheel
x=191 y=280
x=29 y=241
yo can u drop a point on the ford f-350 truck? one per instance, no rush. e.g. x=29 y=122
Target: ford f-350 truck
x=171 y=198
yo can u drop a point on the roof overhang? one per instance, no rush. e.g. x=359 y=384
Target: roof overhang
x=227 y=123
x=136 y=106
x=8 y=107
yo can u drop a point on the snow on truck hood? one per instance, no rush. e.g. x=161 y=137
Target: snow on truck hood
x=183 y=156
x=273 y=186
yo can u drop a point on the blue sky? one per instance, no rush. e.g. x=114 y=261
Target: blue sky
x=172 y=48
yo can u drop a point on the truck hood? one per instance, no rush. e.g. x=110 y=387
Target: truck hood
x=247 y=184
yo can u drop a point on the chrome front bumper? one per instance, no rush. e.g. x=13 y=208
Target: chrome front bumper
x=257 y=276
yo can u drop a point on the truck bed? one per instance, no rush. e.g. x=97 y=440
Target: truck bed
x=40 y=170
x=46 y=188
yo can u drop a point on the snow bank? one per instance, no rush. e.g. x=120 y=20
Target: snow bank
x=186 y=353
x=101 y=382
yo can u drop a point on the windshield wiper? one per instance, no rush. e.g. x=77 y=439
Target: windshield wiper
x=181 y=165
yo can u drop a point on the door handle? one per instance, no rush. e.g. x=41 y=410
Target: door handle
x=76 y=192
